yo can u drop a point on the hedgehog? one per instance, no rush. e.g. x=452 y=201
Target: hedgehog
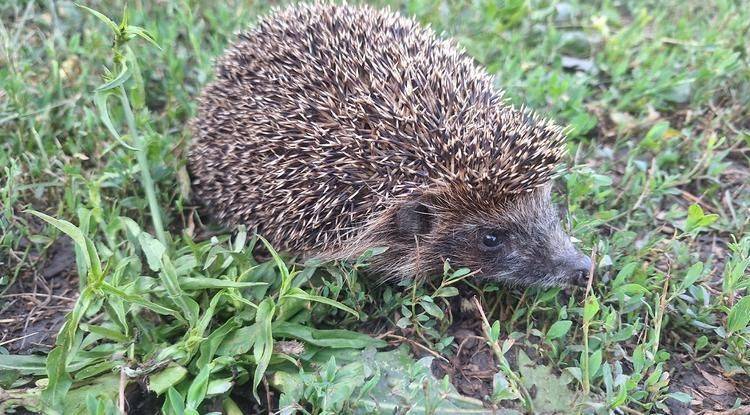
x=335 y=129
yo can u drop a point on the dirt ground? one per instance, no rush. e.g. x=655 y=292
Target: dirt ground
x=34 y=307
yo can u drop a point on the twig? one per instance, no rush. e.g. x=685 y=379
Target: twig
x=268 y=393
x=421 y=346
x=695 y=199
x=34 y=295
x=630 y=410
x=662 y=307
x=3 y=343
x=121 y=392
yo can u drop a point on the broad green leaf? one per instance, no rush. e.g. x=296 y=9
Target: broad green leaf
x=590 y=308
x=696 y=219
x=230 y=407
x=639 y=358
x=553 y=396
x=138 y=299
x=210 y=344
x=240 y=239
x=59 y=380
x=630 y=289
x=403 y=382
x=292 y=389
x=31 y=364
x=219 y=386
x=693 y=273
x=239 y=341
x=495 y=331
x=153 y=249
x=187 y=305
x=197 y=390
x=657 y=131
x=446 y=292
x=681 y=396
x=626 y=272
x=501 y=388
x=342 y=385
x=76 y=235
x=170 y=376
x=106 y=332
x=701 y=343
x=739 y=315
x=559 y=329
x=174 y=403
x=103 y=389
x=432 y=309
x=595 y=361
x=96 y=369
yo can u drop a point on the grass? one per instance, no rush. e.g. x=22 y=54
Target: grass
x=656 y=96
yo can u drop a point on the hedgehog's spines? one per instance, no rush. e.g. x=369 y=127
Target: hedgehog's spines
x=322 y=115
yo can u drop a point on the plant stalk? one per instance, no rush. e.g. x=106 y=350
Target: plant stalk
x=142 y=157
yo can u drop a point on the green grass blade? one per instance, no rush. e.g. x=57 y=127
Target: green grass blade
x=302 y=295
x=263 y=347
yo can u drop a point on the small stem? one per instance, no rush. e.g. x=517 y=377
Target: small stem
x=629 y=410
x=586 y=381
x=514 y=380
x=585 y=360
x=711 y=353
x=142 y=157
x=121 y=390
x=660 y=314
x=421 y=346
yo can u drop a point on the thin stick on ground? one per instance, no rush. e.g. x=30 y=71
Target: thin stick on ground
x=414 y=343
x=3 y=343
x=121 y=390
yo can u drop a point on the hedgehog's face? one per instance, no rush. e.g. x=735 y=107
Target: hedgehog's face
x=520 y=242
x=524 y=243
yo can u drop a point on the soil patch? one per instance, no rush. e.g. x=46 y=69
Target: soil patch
x=33 y=309
x=473 y=366
x=712 y=390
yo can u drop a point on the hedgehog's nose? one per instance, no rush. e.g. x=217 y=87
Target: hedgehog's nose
x=577 y=270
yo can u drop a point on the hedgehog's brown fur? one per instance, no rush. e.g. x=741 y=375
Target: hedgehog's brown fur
x=324 y=120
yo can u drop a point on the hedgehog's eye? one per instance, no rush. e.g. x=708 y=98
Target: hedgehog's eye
x=491 y=240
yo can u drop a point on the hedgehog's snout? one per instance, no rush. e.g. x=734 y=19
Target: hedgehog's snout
x=576 y=269
x=570 y=266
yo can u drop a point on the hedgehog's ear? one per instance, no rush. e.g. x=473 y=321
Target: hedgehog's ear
x=414 y=218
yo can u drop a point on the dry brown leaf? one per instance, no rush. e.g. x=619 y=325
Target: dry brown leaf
x=722 y=386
